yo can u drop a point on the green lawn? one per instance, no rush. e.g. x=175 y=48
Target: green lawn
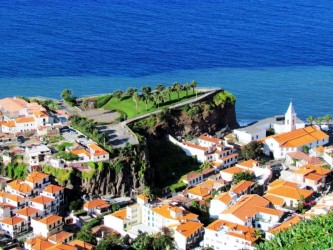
x=127 y=105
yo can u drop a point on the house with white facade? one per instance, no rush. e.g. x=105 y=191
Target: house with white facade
x=280 y=145
x=97 y=207
x=14 y=226
x=300 y=158
x=92 y=152
x=279 y=124
x=45 y=204
x=288 y=223
x=221 y=202
x=36 y=155
x=209 y=148
x=223 y=234
x=151 y=217
x=47 y=226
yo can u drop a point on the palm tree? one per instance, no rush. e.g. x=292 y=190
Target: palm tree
x=177 y=87
x=193 y=85
x=146 y=93
x=130 y=91
x=159 y=87
x=157 y=97
x=327 y=118
x=187 y=87
x=168 y=91
x=310 y=119
x=205 y=164
x=136 y=99
x=319 y=120
x=117 y=94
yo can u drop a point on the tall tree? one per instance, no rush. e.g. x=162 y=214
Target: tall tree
x=66 y=93
x=177 y=87
x=146 y=91
x=327 y=118
x=310 y=119
x=168 y=91
x=117 y=94
x=130 y=91
x=252 y=150
x=187 y=87
x=136 y=99
x=159 y=87
x=193 y=85
x=319 y=120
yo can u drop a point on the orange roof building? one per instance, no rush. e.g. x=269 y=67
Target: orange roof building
x=96 y=206
x=81 y=245
x=38 y=243
x=282 y=144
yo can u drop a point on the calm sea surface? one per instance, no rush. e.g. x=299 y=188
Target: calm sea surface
x=265 y=52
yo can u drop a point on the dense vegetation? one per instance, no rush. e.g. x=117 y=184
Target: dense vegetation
x=89 y=128
x=132 y=103
x=169 y=162
x=319 y=120
x=61 y=175
x=316 y=233
x=252 y=150
x=224 y=97
x=67 y=95
x=15 y=170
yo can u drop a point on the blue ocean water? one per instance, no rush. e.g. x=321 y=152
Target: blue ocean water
x=266 y=52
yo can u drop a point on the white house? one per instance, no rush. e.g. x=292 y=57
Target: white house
x=13 y=226
x=222 y=234
x=46 y=204
x=36 y=155
x=97 y=207
x=47 y=226
x=280 y=144
x=279 y=124
x=221 y=202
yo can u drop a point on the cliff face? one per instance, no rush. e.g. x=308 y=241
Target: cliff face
x=132 y=175
x=180 y=123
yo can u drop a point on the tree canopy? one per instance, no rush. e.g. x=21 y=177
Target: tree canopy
x=252 y=150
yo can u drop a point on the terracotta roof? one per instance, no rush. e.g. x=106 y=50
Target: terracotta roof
x=271 y=211
x=12 y=197
x=24 y=120
x=275 y=200
x=235 y=170
x=192 y=145
x=300 y=137
x=81 y=245
x=228 y=157
x=62 y=246
x=42 y=199
x=13 y=104
x=60 y=237
x=39 y=243
x=208 y=170
x=20 y=186
x=248 y=163
x=298 y=155
x=143 y=197
x=120 y=214
x=290 y=192
x=233 y=229
x=199 y=191
x=313 y=177
x=209 y=184
x=189 y=228
x=10 y=124
x=246 y=207
x=224 y=197
x=317 y=169
x=242 y=186
x=95 y=204
x=27 y=211
x=12 y=221
x=97 y=150
x=53 y=189
x=286 y=224
x=191 y=176
x=280 y=182
x=209 y=138
x=39 y=113
x=50 y=219
x=35 y=177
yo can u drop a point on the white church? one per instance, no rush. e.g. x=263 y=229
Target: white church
x=280 y=124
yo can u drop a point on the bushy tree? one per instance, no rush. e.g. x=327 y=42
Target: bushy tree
x=252 y=150
x=247 y=176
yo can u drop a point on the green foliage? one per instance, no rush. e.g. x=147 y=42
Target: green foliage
x=67 y=156
x=224 y=97
x=62 y=175
x=16 y=170
x=63 y=146
x=306 y=149
x=194 y=110
x=247 y=176
x=89 y=128
x=180 y=185
x=53 y=139
x=117 y=166
x=169 y=162
x=88 y=175
x=76 y=205
x=146 y=123
x=316 y=233
x=86 y=235
x=102 y=100
x=155 y=242
x=252 y=150
x=67 y=95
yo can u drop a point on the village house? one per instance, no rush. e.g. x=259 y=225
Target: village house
x=19 y=187
x=29 y=213
x=45 y=204
x=228 y=174
x=280 y=145
x=328 y=155
x=47 y=226
x=152 y=217
x=37 y=243
x=13 y=199
x=6 y=210
x=92 y=152
x=289 y=223
x=278 y=124
x=97 y=207
x=262 y=173
x=209 y=148
x=223 y=234
x=289 y=192
x=300 y=158
x=36 y=155
x=38 y=181
x=221 y=202
x=13 y=226
x=55 y=192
